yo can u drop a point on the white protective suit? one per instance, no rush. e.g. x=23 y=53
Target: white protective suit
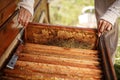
x=109 y=10
x=27 y=4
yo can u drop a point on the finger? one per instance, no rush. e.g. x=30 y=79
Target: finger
x=27 y=20
x=20 y=20
x=109 y=27
x=103 y=26
x=19 y=16
x=99 y=34
x=23 y=17
x=28 y=17
x=100 y=23
x=99 y=26
x=106 y=26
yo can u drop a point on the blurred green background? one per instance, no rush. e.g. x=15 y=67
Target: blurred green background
x=66 y=12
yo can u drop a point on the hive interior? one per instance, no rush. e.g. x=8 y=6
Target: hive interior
x=57 y=53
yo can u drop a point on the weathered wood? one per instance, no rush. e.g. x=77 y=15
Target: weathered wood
x=52 y=53
x=32 y=75
x=8 y=34
x=75 y=50
x=7 y=10
x=61 y=52
x=41 y=6
x=7 y=52
x=4 y=4
x=69 y=51
x=59 y=61
x=37 y=66
x=61 y=36
x=9 y=78
x=36 y=3
x=56 y=69
x=29 y=74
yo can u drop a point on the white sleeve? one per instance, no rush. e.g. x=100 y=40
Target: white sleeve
x=27 y=4
x=112 y=13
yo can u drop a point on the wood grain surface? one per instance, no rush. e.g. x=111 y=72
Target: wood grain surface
x=62 y=36
x=55 y=63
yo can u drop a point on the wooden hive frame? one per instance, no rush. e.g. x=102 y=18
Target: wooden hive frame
x=41 y=58
x=62 y=36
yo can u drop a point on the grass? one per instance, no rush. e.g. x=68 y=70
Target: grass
x=117 y=59
x=117 y=70
x=117 y=63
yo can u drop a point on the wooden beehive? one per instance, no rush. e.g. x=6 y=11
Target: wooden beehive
x=63 y=36
x=50 y=52
x=56 y=53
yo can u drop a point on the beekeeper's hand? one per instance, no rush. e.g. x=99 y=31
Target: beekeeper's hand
x=24 y=16
x=103 y=26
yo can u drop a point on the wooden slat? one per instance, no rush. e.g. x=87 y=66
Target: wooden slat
x=50 y=67
x=59 y=61
x=7 y=11
x=36 y=3
x=4 y=3
x=10 y=32
x=71 y=51
x=32 y=75
x=75 y=50
x=61 y=52
x=57 y=69
x=9 y=78
x=29 y=74
x=60 y=36
x=39 y=8
x=46 y=53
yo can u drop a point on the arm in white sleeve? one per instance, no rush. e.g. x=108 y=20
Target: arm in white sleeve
x=27 y=4
x=112 y=13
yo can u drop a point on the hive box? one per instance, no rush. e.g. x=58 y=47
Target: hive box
x=54 y=52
